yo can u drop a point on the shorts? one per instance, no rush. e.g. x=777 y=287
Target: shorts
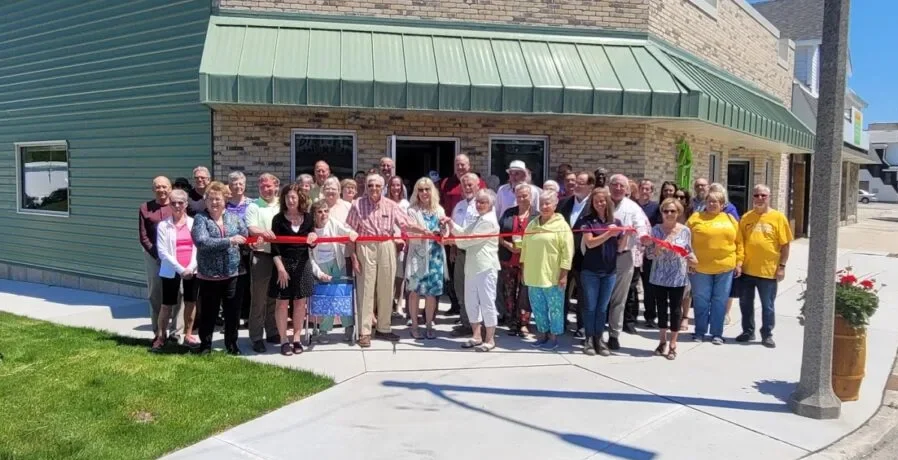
x=171 y=287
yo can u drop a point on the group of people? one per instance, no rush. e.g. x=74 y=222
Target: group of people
x=584 y=239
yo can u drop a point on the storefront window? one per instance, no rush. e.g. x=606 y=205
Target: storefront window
x=43 y=173
x=337 y=148
x=532 y=150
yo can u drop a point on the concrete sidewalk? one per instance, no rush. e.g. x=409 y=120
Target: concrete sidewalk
x=430 y=399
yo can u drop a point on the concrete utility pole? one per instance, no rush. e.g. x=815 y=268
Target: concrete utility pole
x=814 y=396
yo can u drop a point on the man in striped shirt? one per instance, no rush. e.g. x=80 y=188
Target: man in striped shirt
x=374 y=263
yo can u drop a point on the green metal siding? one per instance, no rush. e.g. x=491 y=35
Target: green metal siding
x=117 y=80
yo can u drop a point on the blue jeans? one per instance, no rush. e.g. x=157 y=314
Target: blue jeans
x=709 y=301
x=596 y=290
x=767 y=291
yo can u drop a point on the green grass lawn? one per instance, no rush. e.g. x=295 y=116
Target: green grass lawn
x=77 y=393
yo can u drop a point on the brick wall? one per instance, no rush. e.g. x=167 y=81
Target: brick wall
x=732 y=40
x=618 y=14
x=258 y=140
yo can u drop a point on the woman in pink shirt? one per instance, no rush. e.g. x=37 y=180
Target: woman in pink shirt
x=177 y=256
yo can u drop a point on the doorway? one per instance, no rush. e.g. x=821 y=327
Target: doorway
x=798 y=196
x=739 y=184
x=417 y=157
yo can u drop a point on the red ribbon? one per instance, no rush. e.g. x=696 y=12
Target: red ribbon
x=439 y=238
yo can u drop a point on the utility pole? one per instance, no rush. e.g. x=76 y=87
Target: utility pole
x=814 y=396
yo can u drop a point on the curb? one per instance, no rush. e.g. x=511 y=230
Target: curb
x=871 y=435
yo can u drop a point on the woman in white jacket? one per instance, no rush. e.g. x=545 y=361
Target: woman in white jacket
x=329 y=260
x=481 y=269
x=177 y=256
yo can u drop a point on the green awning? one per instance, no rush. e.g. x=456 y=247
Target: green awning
x=283 y=62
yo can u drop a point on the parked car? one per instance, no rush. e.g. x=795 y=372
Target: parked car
x=865 y=197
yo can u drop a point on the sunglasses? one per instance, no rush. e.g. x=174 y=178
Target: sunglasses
x=669 y=211
x=759 y=195
x=423 y=190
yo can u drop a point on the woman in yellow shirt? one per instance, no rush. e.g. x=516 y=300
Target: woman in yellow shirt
x=714 y=244
x=546 y=255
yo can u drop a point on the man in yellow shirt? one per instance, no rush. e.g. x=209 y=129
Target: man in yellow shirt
x=765 y=235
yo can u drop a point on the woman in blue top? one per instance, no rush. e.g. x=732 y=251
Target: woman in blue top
x=669 y=272
x=217 y=235
x=600 y=245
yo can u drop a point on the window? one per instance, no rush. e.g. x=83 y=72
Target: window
x=708 y=6
x=713 y=166
x=767 y=173
x=782 y=52
x=337 y=148
x=532 y=150
x=43 y=177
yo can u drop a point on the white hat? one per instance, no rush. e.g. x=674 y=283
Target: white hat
x=517 y=164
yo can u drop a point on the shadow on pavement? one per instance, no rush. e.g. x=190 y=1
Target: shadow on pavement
x=604 y=446
x=780 y=389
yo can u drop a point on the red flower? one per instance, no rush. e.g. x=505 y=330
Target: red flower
x=847 y=279
x=867 y=284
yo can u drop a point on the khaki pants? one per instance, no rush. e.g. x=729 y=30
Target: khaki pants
x=624 y=273
x=377 y=262
x=459 y=280
x=261 y=312
x=154 y=297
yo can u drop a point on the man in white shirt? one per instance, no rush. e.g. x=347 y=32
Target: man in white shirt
x=464 y=214
x=630 y=214
x=505 y=197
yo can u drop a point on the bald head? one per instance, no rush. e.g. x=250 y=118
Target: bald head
x=161 y=189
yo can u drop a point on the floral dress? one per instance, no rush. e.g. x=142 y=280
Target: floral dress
x=426 y=262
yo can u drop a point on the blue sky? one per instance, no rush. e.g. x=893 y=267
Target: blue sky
x=874 y=47
x=874 y=57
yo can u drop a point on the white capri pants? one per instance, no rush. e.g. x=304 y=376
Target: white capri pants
x=480 y=297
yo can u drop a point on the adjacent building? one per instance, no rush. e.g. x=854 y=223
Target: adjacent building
x=94 y=104
x=881 y=177
x=802 y=21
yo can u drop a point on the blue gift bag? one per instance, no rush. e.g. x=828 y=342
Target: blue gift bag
x=332 y=299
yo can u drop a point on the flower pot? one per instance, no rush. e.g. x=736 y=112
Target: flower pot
x=849 y=359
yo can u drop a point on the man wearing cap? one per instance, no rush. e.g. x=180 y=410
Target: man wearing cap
x=505 y=197
x=451 y=192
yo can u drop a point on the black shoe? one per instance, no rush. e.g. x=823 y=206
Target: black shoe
x=388 y=336
x=274 y=339
x=650 y=324
x=629 y=329
x=462 y=331
x=601 y=347
x=453 y=310
x=203 y=349
x=578 y=334
x=232 y=349
x=768 y=342
x=259 y=346
x=613 y=343
x=745 y=337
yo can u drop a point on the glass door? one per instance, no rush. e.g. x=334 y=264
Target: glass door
x=739 y=184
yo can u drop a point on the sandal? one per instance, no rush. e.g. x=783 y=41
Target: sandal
x=286 y=349
x=485 y=346
x=672 y=354
x=430 y=334
x=297 y=348
x=471 y=344
x=660 y=350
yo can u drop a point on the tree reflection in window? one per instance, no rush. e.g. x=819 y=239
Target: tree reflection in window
x=44 y=176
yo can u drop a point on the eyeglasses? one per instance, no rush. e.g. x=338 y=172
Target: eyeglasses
x=669 y=211
x=201 y=177
x=178 y=203
x=759 y=195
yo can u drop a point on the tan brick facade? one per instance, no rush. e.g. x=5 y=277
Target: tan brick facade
x=258 y=140
x=732 y=40
x=617 y=14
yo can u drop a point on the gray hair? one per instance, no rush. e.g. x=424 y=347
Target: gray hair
x=548 y=196
x=462 y=155
x=619 y=178
x=178 y=194
x=471 y=176
x=332 y=181
x=718 y=187
x=235 y=176
x=269 y=177
x=202 y=169
x=551 y=185
x=305 y=177
x=376 y=177
x=761 y=187
x=487 y=194
x=521 y=186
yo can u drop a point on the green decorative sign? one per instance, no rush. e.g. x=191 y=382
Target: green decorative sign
x=684 y=165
